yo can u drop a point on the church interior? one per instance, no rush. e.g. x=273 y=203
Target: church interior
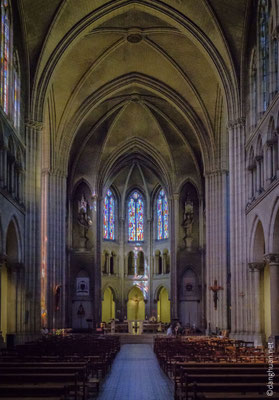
x=139 y=181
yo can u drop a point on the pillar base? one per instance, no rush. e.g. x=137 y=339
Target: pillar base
x=2 y=343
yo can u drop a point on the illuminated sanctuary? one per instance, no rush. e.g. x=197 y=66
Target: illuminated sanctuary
x=139 y=166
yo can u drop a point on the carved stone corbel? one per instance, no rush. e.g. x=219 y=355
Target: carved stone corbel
x=256 y=266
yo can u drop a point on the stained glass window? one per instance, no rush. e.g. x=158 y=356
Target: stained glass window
x=162 y=216
x=109 y=216
x=136 y=217
x=5 y=55
x=16 y=98
x=264 y=50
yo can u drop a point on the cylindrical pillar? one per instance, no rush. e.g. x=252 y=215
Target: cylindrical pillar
x=273 y=261
x=256 y=268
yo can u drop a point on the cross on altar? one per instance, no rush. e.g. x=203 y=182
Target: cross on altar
x=215 y=289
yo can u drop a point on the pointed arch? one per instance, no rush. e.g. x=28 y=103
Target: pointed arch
x=162 y=214
x=109 y=215
x=273 y=235
x=136 y=216
x=13 y=242
x=258 y=243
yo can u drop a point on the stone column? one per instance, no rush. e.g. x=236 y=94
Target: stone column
x=273 y=261
x=258 y=174
x=164 y=263
x=269 y=161
x=156 y=264
x=3 y=166
x=3 y=260
x=256 y=268
x=174 y=201
x=123 y=265
x=250 y=183
x=216 y=247
x=237 y=261
x=32 y=225
x=54 y=222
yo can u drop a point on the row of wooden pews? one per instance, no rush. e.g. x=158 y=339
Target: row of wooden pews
x=67 y=368
x=214 y=368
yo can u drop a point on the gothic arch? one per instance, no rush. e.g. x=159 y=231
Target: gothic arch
x=273 y=235
x=80 y=182
x=257 y=242
x=130 y=288
x=195 y=185
x=51 y=54
x=113 y=290
x=13 y=248
x=158 y=290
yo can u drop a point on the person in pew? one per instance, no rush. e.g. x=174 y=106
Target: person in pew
x=178 y=330
x=170 y=330
x=44 y=331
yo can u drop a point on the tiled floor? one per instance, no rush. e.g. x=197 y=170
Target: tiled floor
x=136 y=375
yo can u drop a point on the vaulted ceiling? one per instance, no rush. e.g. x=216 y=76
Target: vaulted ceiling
x=110 y=78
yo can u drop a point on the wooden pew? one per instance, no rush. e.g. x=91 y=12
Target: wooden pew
x=188 y=373
x=38 y=391
x=69 y=380
x=200 y=390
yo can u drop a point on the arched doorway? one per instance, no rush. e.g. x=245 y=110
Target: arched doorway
x=108 y=306
x=163 y=306
x=136 y=305
x=9 y=283
x=264 y=282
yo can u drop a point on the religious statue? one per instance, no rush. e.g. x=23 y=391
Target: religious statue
x=57 y=297
x=215 y=289
x=188 y=219
x=84 y=218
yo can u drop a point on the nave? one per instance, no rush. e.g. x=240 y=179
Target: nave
x=136 y=375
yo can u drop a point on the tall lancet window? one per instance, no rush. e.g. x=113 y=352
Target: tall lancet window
x=162 y=216
x=264 y=51
x=5 y=55
x=109 y=216
x=16 y=94
x=136 y=217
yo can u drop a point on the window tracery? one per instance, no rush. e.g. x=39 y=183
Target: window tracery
x=135 y=217
x=162 y=216
x=109 y=216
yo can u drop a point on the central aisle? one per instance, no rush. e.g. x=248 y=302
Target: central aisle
x=136 y=375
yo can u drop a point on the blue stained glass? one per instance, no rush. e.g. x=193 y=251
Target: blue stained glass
x=109 y=216
x=162 y=216
x=135 y=218
x=264 y=50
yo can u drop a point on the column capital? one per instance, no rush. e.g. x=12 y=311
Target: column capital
x=37 y=125
x=237 y=123
x=215 y=172
x=272 y=258
x=256 y=266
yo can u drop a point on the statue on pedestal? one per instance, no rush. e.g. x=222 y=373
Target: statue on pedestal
x=188 y=219
x=84 y=219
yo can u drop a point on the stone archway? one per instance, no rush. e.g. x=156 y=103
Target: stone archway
x=108 y=305
x=261 y=285
x=163 y=306
x=9 y=282
x=135 y=305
